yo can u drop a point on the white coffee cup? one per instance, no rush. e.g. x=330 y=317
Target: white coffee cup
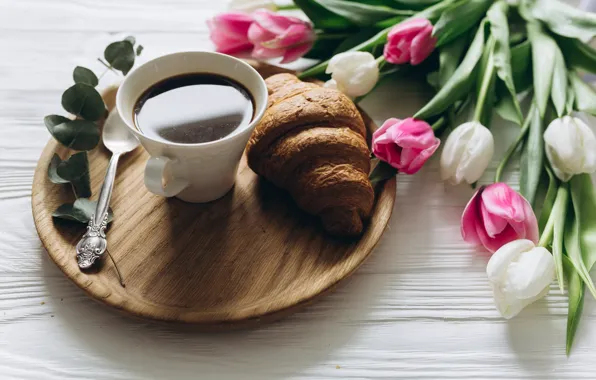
x=199 y=172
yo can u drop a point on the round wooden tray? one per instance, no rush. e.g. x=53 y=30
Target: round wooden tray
x=248 y=257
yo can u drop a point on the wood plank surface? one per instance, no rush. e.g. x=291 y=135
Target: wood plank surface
x=421 y=308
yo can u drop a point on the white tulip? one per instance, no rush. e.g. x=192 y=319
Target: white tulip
x=570 y=147
x=467 y=153
x=519 y=273
x=251 y=5
x=354 y=73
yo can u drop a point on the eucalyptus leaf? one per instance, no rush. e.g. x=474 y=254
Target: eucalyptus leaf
x=458 y=19
x=521 y=65
x=74 y=134
x=120 y=55
x=576 y=291
x=543 y=62
x=76 y=171
x=84 y=101
x=559 y=83
x=532 y=159
x=382 y=172
x=585 y=96
x=139 y=50
x=499 y=29
x=84 y=75
x=564 y=19
x=52 y=170
x=80 y=211
x=131 y=39
x=460 y=83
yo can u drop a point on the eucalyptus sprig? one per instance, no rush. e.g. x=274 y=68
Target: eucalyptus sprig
x=80 y=132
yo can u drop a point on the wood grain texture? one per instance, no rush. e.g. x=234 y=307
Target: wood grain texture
x=419 y=308
x=249 y=257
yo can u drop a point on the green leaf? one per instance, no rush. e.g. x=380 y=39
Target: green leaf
x=585 y=96
x=559 y=83
x=84 y=101
x=361 y=14
x=353 y=40
x=120 y=55
x=321 y=17
x=576 y=291
x=559 y=213
x=549 y=199
x=429 y=13
x=84 y=75
x=80 y=211
x=564 y=19
x=458 y=19
x=76 y=171
x=131 y=39
x=521 y=65
x=578 y=54
x=532 y=159
x=73 y=134
x=499 y=29
x=505 y=105
x=543 y=62
x=382 y=172
x=52 y=170
x=584 y=205
x=449 y=58
x=485 y=85
x=570 y=100
x=461 y=81
x=573 y=245
x=139 y=50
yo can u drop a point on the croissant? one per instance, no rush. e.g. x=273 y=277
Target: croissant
x=311 y=142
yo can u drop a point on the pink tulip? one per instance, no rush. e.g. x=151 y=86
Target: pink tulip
x=229 y=32
x=410 y=42
x=497 y=215
x=405 y=144
x=275 y=35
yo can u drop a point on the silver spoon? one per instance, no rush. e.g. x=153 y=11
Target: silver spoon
x=119 y=141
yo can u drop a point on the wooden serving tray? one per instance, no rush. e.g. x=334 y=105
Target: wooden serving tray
x=248 y=257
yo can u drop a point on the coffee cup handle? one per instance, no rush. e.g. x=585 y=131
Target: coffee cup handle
x=154 y=174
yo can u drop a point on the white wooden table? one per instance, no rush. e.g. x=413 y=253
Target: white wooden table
x=420 y=308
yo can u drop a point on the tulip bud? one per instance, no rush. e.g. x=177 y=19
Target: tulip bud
x=251 y=5
x=229 y=32
x=519 y=273
x=354 y=73
x=410 y=41
x=497 y=215
x=467 y=153
x=570 y=147
x=405 y=144
x=275 y=35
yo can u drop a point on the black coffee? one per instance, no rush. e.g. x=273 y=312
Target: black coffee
x=193 y=108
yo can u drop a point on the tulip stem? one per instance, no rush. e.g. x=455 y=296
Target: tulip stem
x=514 y=146
x=286 y=7
x=553 y=231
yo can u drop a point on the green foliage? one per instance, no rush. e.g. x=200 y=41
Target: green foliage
x=381 y=172
x=458 y=19
x=74 y=134
x=544 y=52
x=532 y=159
x=85 y=76
x=121 y=55
x=84 y=101
x=80 y=211
x=564 y=19
x=74 y=170
x=584 y=95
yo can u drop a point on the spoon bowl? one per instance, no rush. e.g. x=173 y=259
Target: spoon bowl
x=116 y=136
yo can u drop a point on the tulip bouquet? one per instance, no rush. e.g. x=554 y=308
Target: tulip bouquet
x=520 y=59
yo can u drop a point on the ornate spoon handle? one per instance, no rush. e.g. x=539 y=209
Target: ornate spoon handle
x=93 y=244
